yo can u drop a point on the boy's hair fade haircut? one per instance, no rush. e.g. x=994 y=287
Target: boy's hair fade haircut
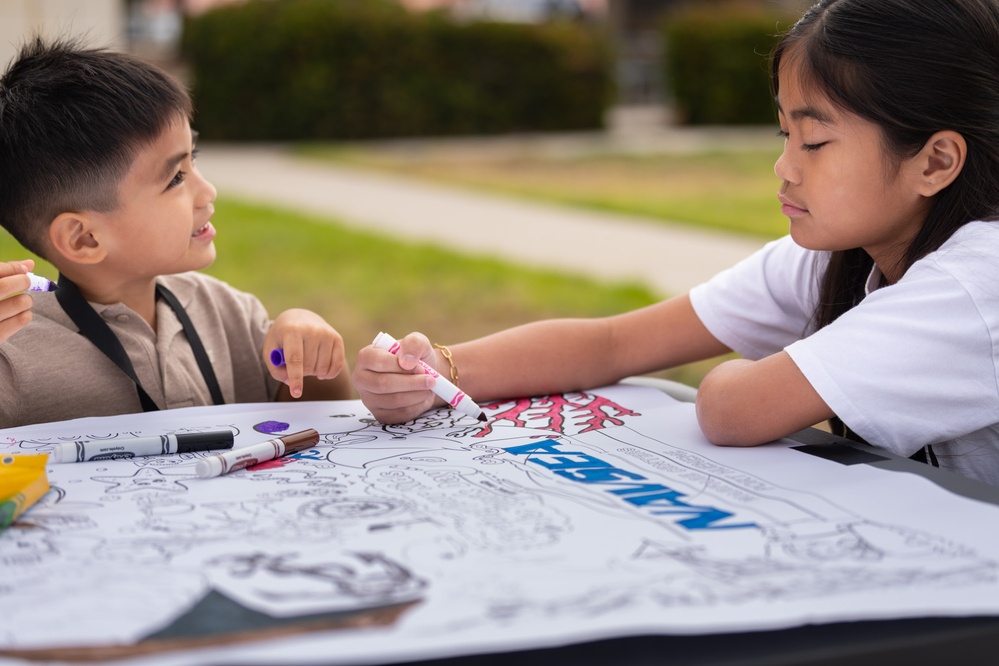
x=71 y=122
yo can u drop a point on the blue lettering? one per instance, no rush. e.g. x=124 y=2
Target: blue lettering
x=659 y=499
x=600 y=475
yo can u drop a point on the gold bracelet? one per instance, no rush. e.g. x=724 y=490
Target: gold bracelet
x=446 y=353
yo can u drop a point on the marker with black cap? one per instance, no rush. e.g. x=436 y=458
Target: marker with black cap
x=112 y=449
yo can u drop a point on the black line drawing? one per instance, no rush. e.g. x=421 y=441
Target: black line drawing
x=563 y=510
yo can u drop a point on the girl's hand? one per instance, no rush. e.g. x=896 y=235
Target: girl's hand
x=393 y=386
x=15 y=310
x=311 y=348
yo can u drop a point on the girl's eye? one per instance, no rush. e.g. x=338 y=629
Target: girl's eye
x=809 y=147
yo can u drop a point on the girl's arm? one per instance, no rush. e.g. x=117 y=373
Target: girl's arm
x=551 y=356
x=745 y=403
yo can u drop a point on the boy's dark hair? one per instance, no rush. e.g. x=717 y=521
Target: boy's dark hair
x=71 y=121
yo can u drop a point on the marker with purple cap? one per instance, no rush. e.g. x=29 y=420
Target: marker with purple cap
x=277 y=357
x=38 y=283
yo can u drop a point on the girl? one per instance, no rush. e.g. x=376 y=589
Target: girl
x=881 y=307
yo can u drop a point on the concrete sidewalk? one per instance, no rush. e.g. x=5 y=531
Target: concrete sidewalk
x=667 y=259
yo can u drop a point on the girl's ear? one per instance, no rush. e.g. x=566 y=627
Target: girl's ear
x=941 y=161
x=76 y=237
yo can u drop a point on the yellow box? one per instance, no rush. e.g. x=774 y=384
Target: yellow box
x=22 y=483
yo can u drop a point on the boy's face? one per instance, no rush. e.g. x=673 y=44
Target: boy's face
x=162 y=223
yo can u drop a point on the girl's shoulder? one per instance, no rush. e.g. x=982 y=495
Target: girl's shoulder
x=967 y=263
x=973 y=239
x=971 y=252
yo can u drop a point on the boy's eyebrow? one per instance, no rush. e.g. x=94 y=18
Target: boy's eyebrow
x=170 y=167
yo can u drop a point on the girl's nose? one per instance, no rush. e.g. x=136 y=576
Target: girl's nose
x=785 y=170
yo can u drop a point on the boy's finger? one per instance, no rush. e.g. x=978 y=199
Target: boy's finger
x=293 y=364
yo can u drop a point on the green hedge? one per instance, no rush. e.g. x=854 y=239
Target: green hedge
x=716 y=62
x=335 y=69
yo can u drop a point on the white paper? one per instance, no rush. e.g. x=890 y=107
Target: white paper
x=560 y=519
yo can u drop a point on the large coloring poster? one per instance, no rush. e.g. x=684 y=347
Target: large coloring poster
x=561 y=518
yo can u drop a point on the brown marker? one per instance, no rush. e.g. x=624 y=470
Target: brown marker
x=223 y=463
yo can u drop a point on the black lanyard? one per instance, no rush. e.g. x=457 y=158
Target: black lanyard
x=95 y=329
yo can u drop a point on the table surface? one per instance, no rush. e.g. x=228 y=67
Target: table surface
x=968 y=641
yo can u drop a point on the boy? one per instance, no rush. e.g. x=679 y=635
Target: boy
x=97 y=175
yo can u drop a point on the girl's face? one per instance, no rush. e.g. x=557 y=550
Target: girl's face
x=839 y=188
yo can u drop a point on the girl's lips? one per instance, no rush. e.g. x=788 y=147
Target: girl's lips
x=789 y=209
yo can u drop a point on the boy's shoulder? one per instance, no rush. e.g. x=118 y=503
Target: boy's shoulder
x=201 y=294
x=195 y=285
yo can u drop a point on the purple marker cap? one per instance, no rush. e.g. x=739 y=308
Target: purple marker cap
x=38 y=283
x=277 y=357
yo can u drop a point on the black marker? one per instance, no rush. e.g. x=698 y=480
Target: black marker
x=113 y=449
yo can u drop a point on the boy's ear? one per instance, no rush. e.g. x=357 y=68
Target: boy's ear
x=941 y=160
x=76 y=237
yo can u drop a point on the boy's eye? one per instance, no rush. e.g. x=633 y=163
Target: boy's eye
x=177 y=179
x=781 y=134
x=812 y=146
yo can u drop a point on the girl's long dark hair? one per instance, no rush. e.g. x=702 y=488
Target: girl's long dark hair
x=913 y=68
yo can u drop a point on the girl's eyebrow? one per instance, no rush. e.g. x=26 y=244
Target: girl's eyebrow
x=806 y=112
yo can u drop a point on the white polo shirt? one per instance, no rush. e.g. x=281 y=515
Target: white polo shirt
x=914 y=363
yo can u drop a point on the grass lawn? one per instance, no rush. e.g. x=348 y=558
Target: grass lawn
x=733 y=191
x=363 y=283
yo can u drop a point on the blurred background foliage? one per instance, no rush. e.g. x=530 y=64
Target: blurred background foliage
x=351 y=69
x=360 y=69
x=716 y=59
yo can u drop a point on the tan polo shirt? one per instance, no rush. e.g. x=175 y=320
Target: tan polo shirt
x=49 y=372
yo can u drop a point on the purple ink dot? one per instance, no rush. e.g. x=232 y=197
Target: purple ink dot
x=271 y=427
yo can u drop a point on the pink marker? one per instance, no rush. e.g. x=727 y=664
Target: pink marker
x=451 y=394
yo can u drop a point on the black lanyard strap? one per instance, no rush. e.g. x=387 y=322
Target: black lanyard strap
x=200 y=355
x=95 y=329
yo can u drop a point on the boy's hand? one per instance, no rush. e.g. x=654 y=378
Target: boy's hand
x=15 y=311
x=393 y=386
x=311 y=348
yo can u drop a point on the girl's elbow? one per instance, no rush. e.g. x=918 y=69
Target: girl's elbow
x=719 y=415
